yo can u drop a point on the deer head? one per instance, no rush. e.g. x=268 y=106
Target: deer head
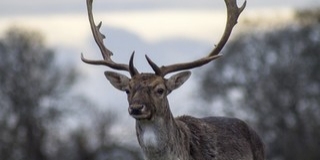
x=147 y=92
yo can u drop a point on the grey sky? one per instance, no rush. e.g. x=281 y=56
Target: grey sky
x=16 y=7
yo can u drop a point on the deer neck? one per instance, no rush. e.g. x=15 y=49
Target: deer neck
x=161 y=138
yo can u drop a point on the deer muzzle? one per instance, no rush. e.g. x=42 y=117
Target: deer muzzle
x=139 y=111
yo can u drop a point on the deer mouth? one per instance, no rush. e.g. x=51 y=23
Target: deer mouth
x=139 y=112
x=141 y=116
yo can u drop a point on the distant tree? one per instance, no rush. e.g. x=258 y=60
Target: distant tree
x=31 y=85
x=274 y=77
x=34 y=101
x=308 y=16
x=93 y=141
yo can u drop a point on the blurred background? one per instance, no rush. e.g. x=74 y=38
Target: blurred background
x=55 y=107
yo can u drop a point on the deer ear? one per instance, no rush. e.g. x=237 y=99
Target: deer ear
x=118 y=80
x=177 y=80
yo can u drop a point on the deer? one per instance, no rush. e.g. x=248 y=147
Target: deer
x=161 y=136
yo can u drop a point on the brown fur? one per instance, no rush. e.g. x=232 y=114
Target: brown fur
x=163 y=137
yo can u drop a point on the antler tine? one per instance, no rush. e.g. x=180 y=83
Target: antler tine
x=106 y=53
x=233 y=13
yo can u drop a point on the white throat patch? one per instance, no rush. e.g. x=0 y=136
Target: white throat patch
x=149 y=138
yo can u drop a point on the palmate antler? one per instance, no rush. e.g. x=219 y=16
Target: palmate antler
x=233 y=12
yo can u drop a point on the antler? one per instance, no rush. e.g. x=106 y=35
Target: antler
x=106 y=53
x=233 y=12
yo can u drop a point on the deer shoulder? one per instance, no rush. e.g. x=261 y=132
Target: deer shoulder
x=221 y=138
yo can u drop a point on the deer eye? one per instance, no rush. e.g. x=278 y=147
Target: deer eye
x=160 y=91
x=127 y=91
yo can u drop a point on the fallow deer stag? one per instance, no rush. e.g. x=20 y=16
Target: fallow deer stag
x=160 y=135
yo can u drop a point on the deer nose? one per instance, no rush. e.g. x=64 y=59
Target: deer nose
x=136 y=109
